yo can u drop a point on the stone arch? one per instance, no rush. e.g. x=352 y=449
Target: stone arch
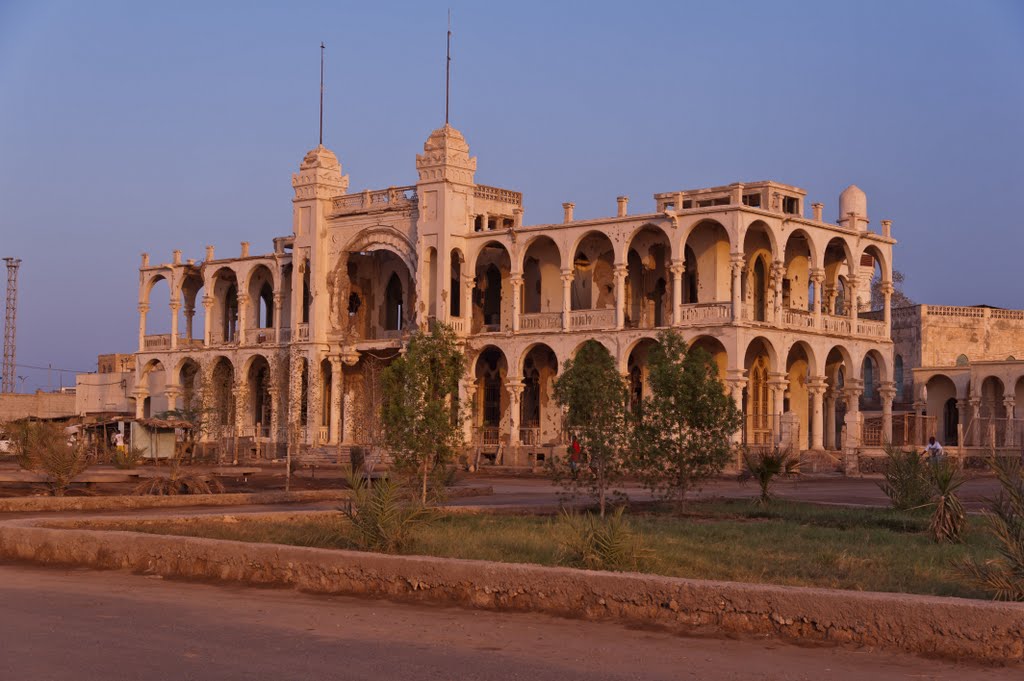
x=224 y=287
x=491 y=403
x=261 y=285
x=608 y=344
x=382 y=237
x=259 y=387
x=648 y=280
x=760 y=226
x=540 y=416
x=716 y=349
x=492 y=292
x=188 y=375
x=941 y=402
x=759 y=256
x=637 y=361
x=223 y=394
x=706 y=250
x=457 y=270
x=593 y=266
x=540 y=265
x=800 y=370
x=798 y=262
x=760 y=360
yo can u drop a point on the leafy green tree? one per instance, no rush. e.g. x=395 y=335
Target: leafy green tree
x=681 y=432
x=593 y=393
x=421 y=414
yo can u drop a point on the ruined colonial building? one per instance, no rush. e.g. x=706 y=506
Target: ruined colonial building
x=958 y=367
x=287 y=344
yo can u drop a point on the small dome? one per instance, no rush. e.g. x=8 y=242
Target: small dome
x=853 y=200
x=321 y=157
x=444 y=138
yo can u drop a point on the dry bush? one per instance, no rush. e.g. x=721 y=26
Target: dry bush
x=177 y=482
x=43 y=447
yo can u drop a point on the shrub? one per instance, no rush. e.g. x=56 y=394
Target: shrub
x=681 y=432
x=129 y=458
x=948 y=518
x=44 y=448
x=767 y=464
x=382 y=516
x=178 y=482
x=907 y=482
x=1004 y=519
x=602 y=543
x=593 y=394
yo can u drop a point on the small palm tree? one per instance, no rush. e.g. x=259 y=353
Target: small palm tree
x=948 y=518
x=767 y=464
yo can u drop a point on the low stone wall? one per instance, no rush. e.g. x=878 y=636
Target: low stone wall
x=130 y=502
x=949 y=627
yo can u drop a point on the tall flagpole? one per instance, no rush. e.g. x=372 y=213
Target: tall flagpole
x=448 y=67
x=321 y=94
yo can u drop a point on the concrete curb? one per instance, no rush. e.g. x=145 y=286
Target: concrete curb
x=948 y=627
x=130 y=502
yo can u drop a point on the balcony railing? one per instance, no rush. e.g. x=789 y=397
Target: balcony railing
x=529 y=436
x=163 y=342
x=583 y=320
x=381 y=199
x=323 y=435
x=797 y=319
x=540 y=321
x=458 y=325
x=482 y=191
x=302 y=332
x=873 y=329
x=839 y=325
x=697 y=314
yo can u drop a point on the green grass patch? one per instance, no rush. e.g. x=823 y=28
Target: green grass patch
x=786 y=543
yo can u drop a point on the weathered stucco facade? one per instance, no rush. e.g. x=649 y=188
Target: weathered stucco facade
x=959 y=368
x=284 y=345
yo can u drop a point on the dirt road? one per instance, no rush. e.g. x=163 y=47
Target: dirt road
x=90 y=626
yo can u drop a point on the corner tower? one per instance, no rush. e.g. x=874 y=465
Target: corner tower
x=317 y=183
x=445 y=188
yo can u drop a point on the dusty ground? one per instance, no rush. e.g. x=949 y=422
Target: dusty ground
x=90 y=626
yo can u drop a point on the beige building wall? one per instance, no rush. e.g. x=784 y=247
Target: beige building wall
x=39 y=405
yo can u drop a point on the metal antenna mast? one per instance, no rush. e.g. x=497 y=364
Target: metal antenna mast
x=448 y=67
x=10 y=327
x=321 y=94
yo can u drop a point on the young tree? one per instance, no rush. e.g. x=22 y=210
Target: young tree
x=593 y=393
x=43 y=447
x=899 y=298
x=420 y=411
x=681 y=433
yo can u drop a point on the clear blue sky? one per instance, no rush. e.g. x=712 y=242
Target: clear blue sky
x=137 y=126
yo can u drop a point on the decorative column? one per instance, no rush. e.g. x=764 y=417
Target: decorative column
x=278 y=381
x=278 y=306
x=620 y=295
x=887 y=308
x=567 y=278
x=887 y=391
x=816 y=387
x=140 y=394
x=736 y=266
x=171 y=394
x=143 y=309
x=468 y=283
x=778 y=382
x=975 y=412
x=818 y=279
x=778 y=274
x=851 y=294
x=467 y=398
x=207 y=320
x=335 y=405
x=243 y=420
x=736 y=383
x=829 y=431
x=1009 y=403
x=190 y=313
x=677 y=268
x=243 y=317
x=514 y=386
x=853 y=391
x=516 y=281
x=919 y=430
x=175 y=305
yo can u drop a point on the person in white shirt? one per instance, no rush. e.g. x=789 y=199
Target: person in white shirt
x=934 y=450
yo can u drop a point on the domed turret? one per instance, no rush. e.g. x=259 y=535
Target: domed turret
x=446 y=157
x=319 y=176
x=853 y=200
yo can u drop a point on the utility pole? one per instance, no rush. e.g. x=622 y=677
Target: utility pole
x=10 y=326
